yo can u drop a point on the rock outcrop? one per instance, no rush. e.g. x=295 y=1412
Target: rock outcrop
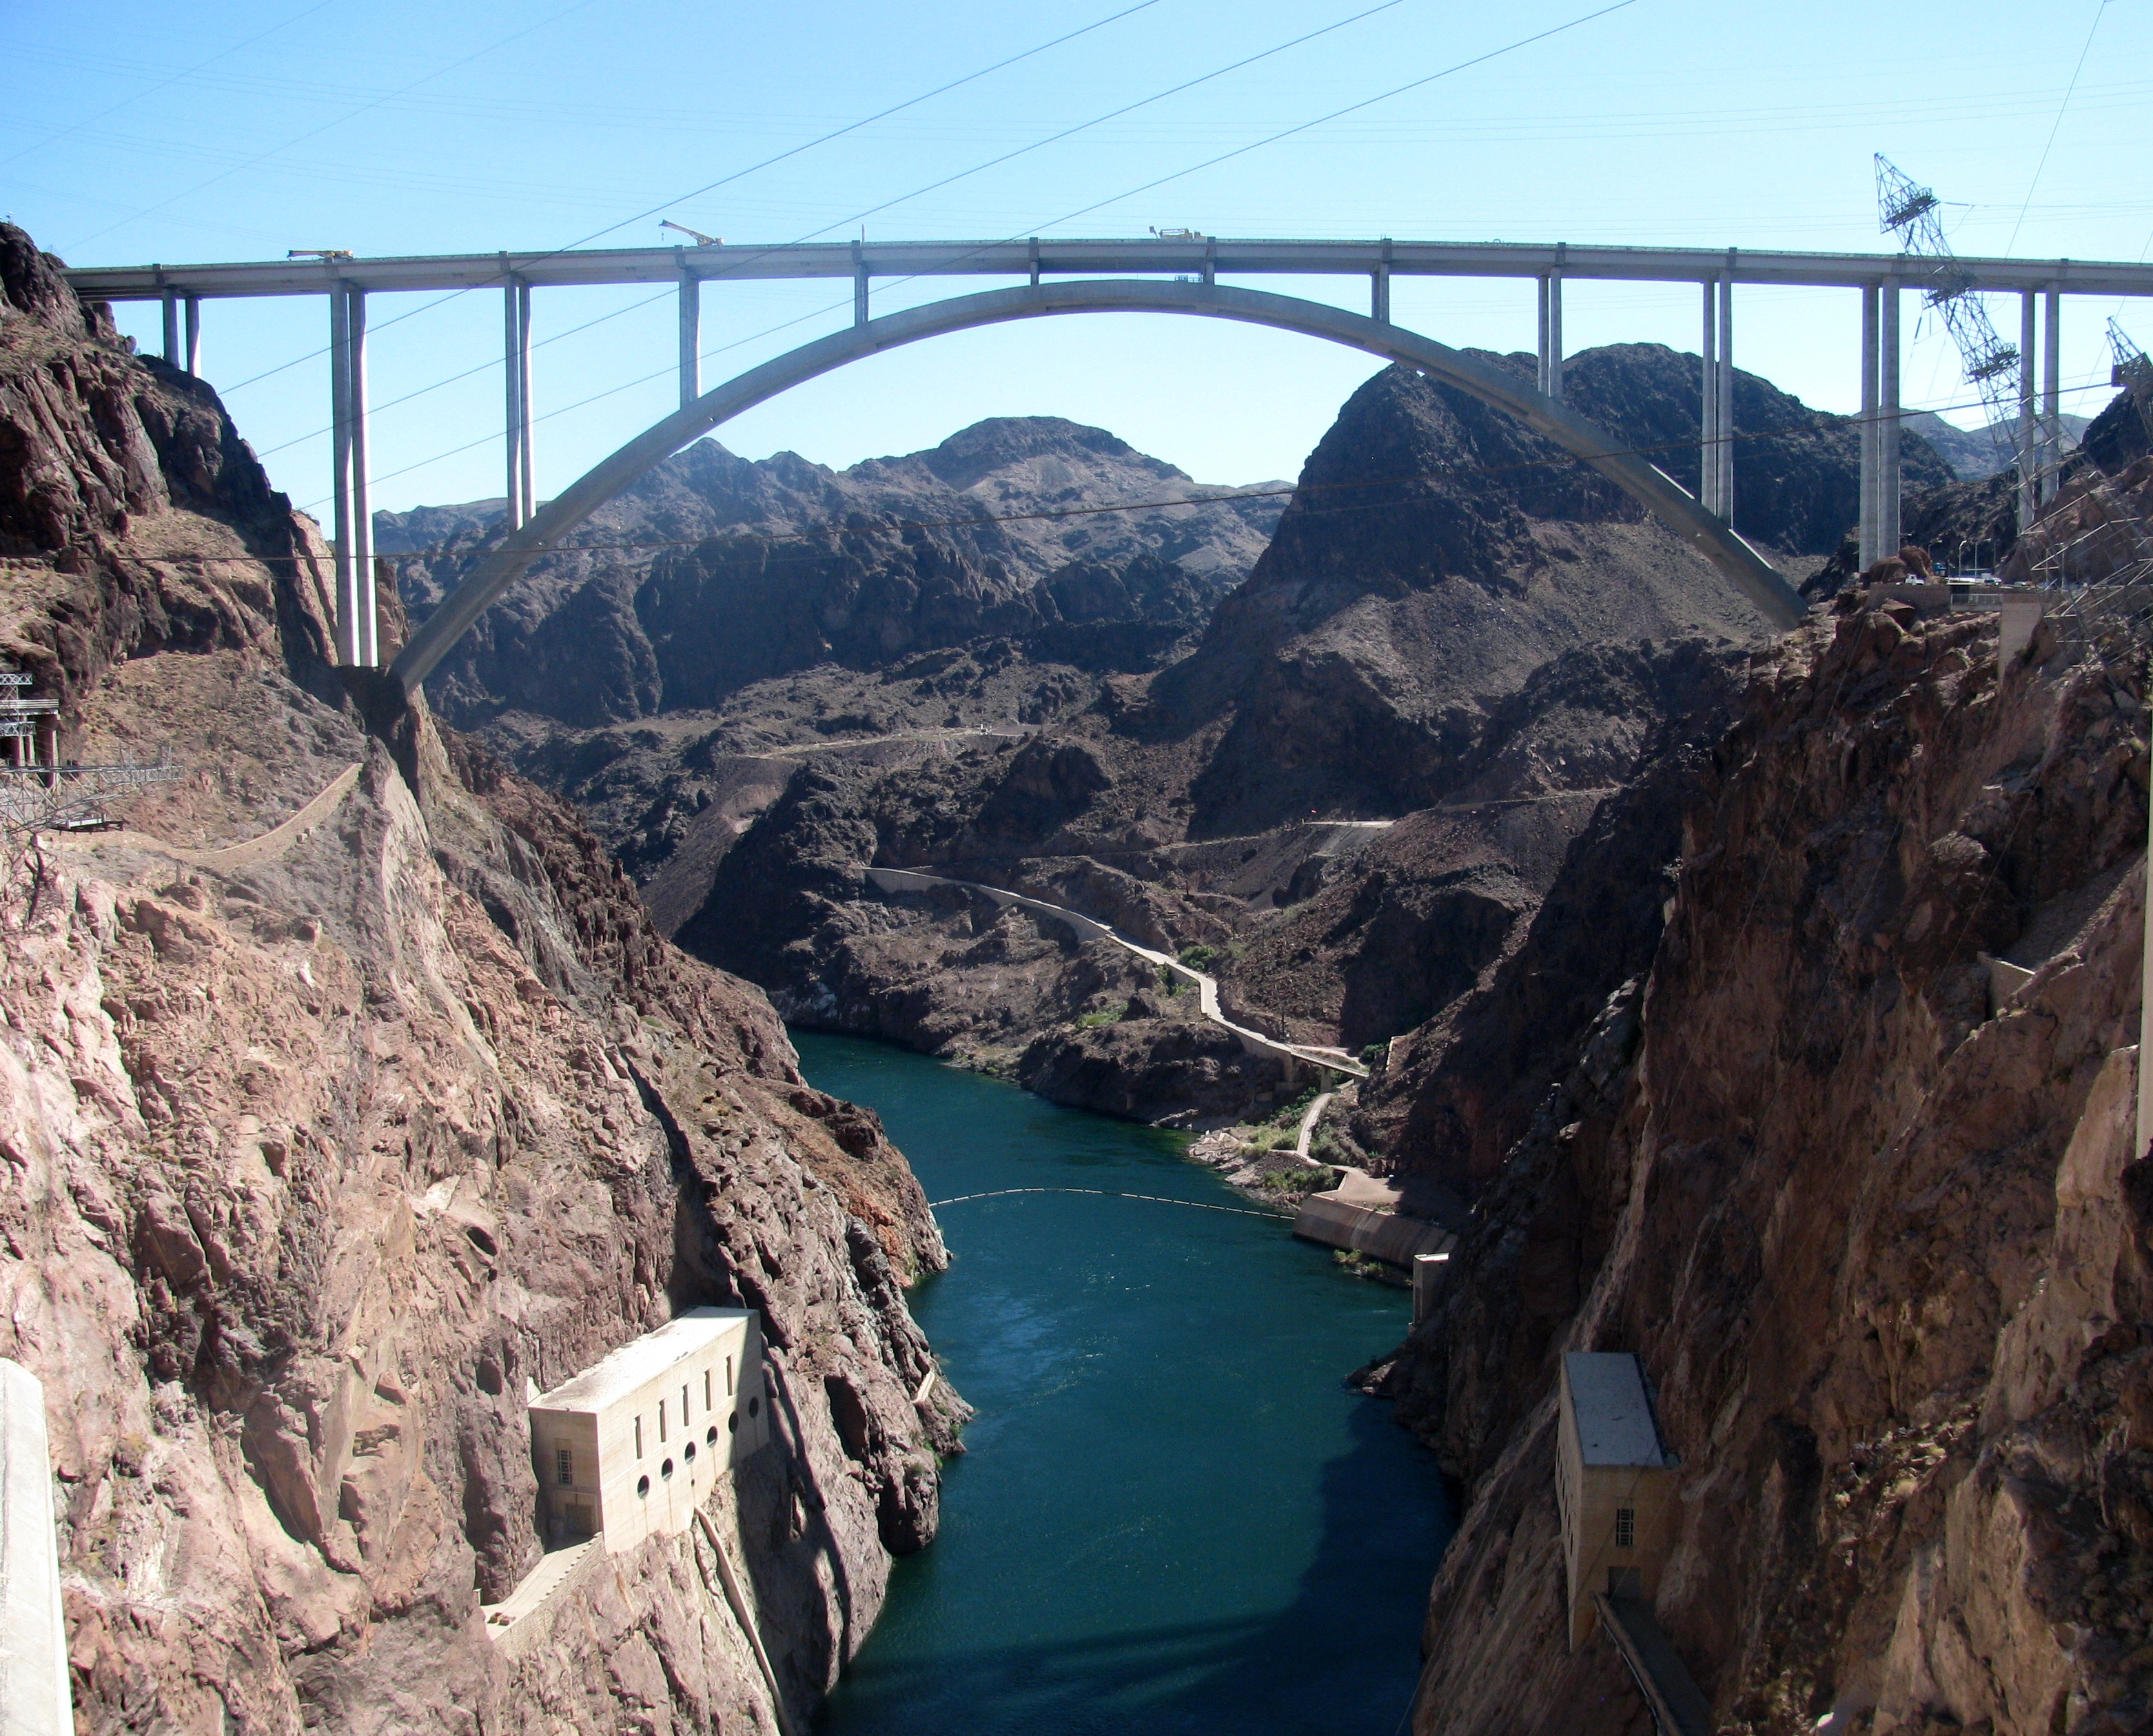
x=1868 y=1209
x=315 y=1159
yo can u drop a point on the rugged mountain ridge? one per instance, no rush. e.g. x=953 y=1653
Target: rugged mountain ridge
x=1353 y=793
x=714 y=572
x=319 y=1154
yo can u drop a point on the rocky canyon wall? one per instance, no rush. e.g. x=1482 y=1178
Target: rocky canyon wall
x=318 y=1155
x=1870 y=1211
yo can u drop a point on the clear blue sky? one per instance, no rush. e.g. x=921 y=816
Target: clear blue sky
x=181 y=131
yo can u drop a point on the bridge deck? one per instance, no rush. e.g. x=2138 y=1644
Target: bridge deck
x=1205 y=255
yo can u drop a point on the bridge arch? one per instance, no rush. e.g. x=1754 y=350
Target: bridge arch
x=1672 y=505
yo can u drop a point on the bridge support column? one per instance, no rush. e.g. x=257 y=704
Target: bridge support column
x=516 y=349
x=859 y=286
x=171 y=305
x=1707 y=418
x=1551 y=379
x=2052 y=410
x=2029 y=455
x=1890 y=532
x=1723 y=436
x=357 y=640
x=691 y=334
x=1872 y=469
x=1379 y=294
x=193 y=363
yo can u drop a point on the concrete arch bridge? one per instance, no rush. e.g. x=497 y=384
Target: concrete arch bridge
x=1702 y=520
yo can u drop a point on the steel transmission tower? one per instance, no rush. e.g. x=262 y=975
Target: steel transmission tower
x=1992 y=365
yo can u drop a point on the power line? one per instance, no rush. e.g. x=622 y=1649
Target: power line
x=723 y=180
x=2099 y=7
x=1352 y=107
x=854 y=127
x=732 y=267
x=328 y=125
x=1304 y=126
x=67 y=132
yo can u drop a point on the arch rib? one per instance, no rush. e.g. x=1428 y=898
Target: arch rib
x=1665 y=498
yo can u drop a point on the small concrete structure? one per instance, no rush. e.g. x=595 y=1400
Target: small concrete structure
x=35 y=1699
x=1428 y=1272
x=631 y=1446
x=1614 y=1484
x=1378 y=1216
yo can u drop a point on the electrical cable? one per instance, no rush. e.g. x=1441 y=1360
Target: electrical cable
x=328 y=125
x=68 y=132
x=724 y=180
x=1304 y=126
x=1352 y=107
x=2099 y=7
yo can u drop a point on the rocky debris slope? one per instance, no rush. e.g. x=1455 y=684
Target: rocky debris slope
x=714 y=572
x=1870 y=1214
x=311 y=1169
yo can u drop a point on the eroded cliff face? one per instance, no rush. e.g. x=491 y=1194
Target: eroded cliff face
x=1874 y=1219
x=319 y=1154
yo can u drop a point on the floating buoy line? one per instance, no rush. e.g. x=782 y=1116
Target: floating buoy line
x=1239 y=1211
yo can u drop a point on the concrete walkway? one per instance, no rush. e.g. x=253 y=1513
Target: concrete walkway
x=1091 y=929
x=1308 y=1124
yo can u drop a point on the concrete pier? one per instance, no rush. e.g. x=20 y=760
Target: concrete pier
x=1889 y=496
x=691 y=333
x=1724 y=434
x=1707 y=469
x=35 y=1699
x=193 y=362
x=358 y=639
x=516 y=319
x=2029 y=451
x=1871 y=471
x=860 y=283
x=172 y=311
x=2052 y=446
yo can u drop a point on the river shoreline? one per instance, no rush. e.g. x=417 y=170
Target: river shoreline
x=1173 y=1514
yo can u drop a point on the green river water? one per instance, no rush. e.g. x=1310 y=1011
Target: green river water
x=1174 y=1518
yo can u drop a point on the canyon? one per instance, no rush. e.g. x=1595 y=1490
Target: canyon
x=1762 y=1007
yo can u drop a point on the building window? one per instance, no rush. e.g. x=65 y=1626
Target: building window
x=639 y=1437
x=684 y=1411
x=643 y=1487
x=1626 y=1528
x=706 y=1392
x=666 y=1468
x=661 y=1419
x=564 y=1467
x=729 y=1376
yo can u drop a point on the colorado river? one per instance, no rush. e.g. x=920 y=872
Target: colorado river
x=1173 y=1516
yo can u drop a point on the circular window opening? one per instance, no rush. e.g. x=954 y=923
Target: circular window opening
x=642 y=1486
x=666 y=1468
x=754 y=1407
x=711 y=1434
x=688 y=1452
x=732 y=1423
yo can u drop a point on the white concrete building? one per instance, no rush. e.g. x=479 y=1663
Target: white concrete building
x=1614 y=1483
x=632 y=1445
